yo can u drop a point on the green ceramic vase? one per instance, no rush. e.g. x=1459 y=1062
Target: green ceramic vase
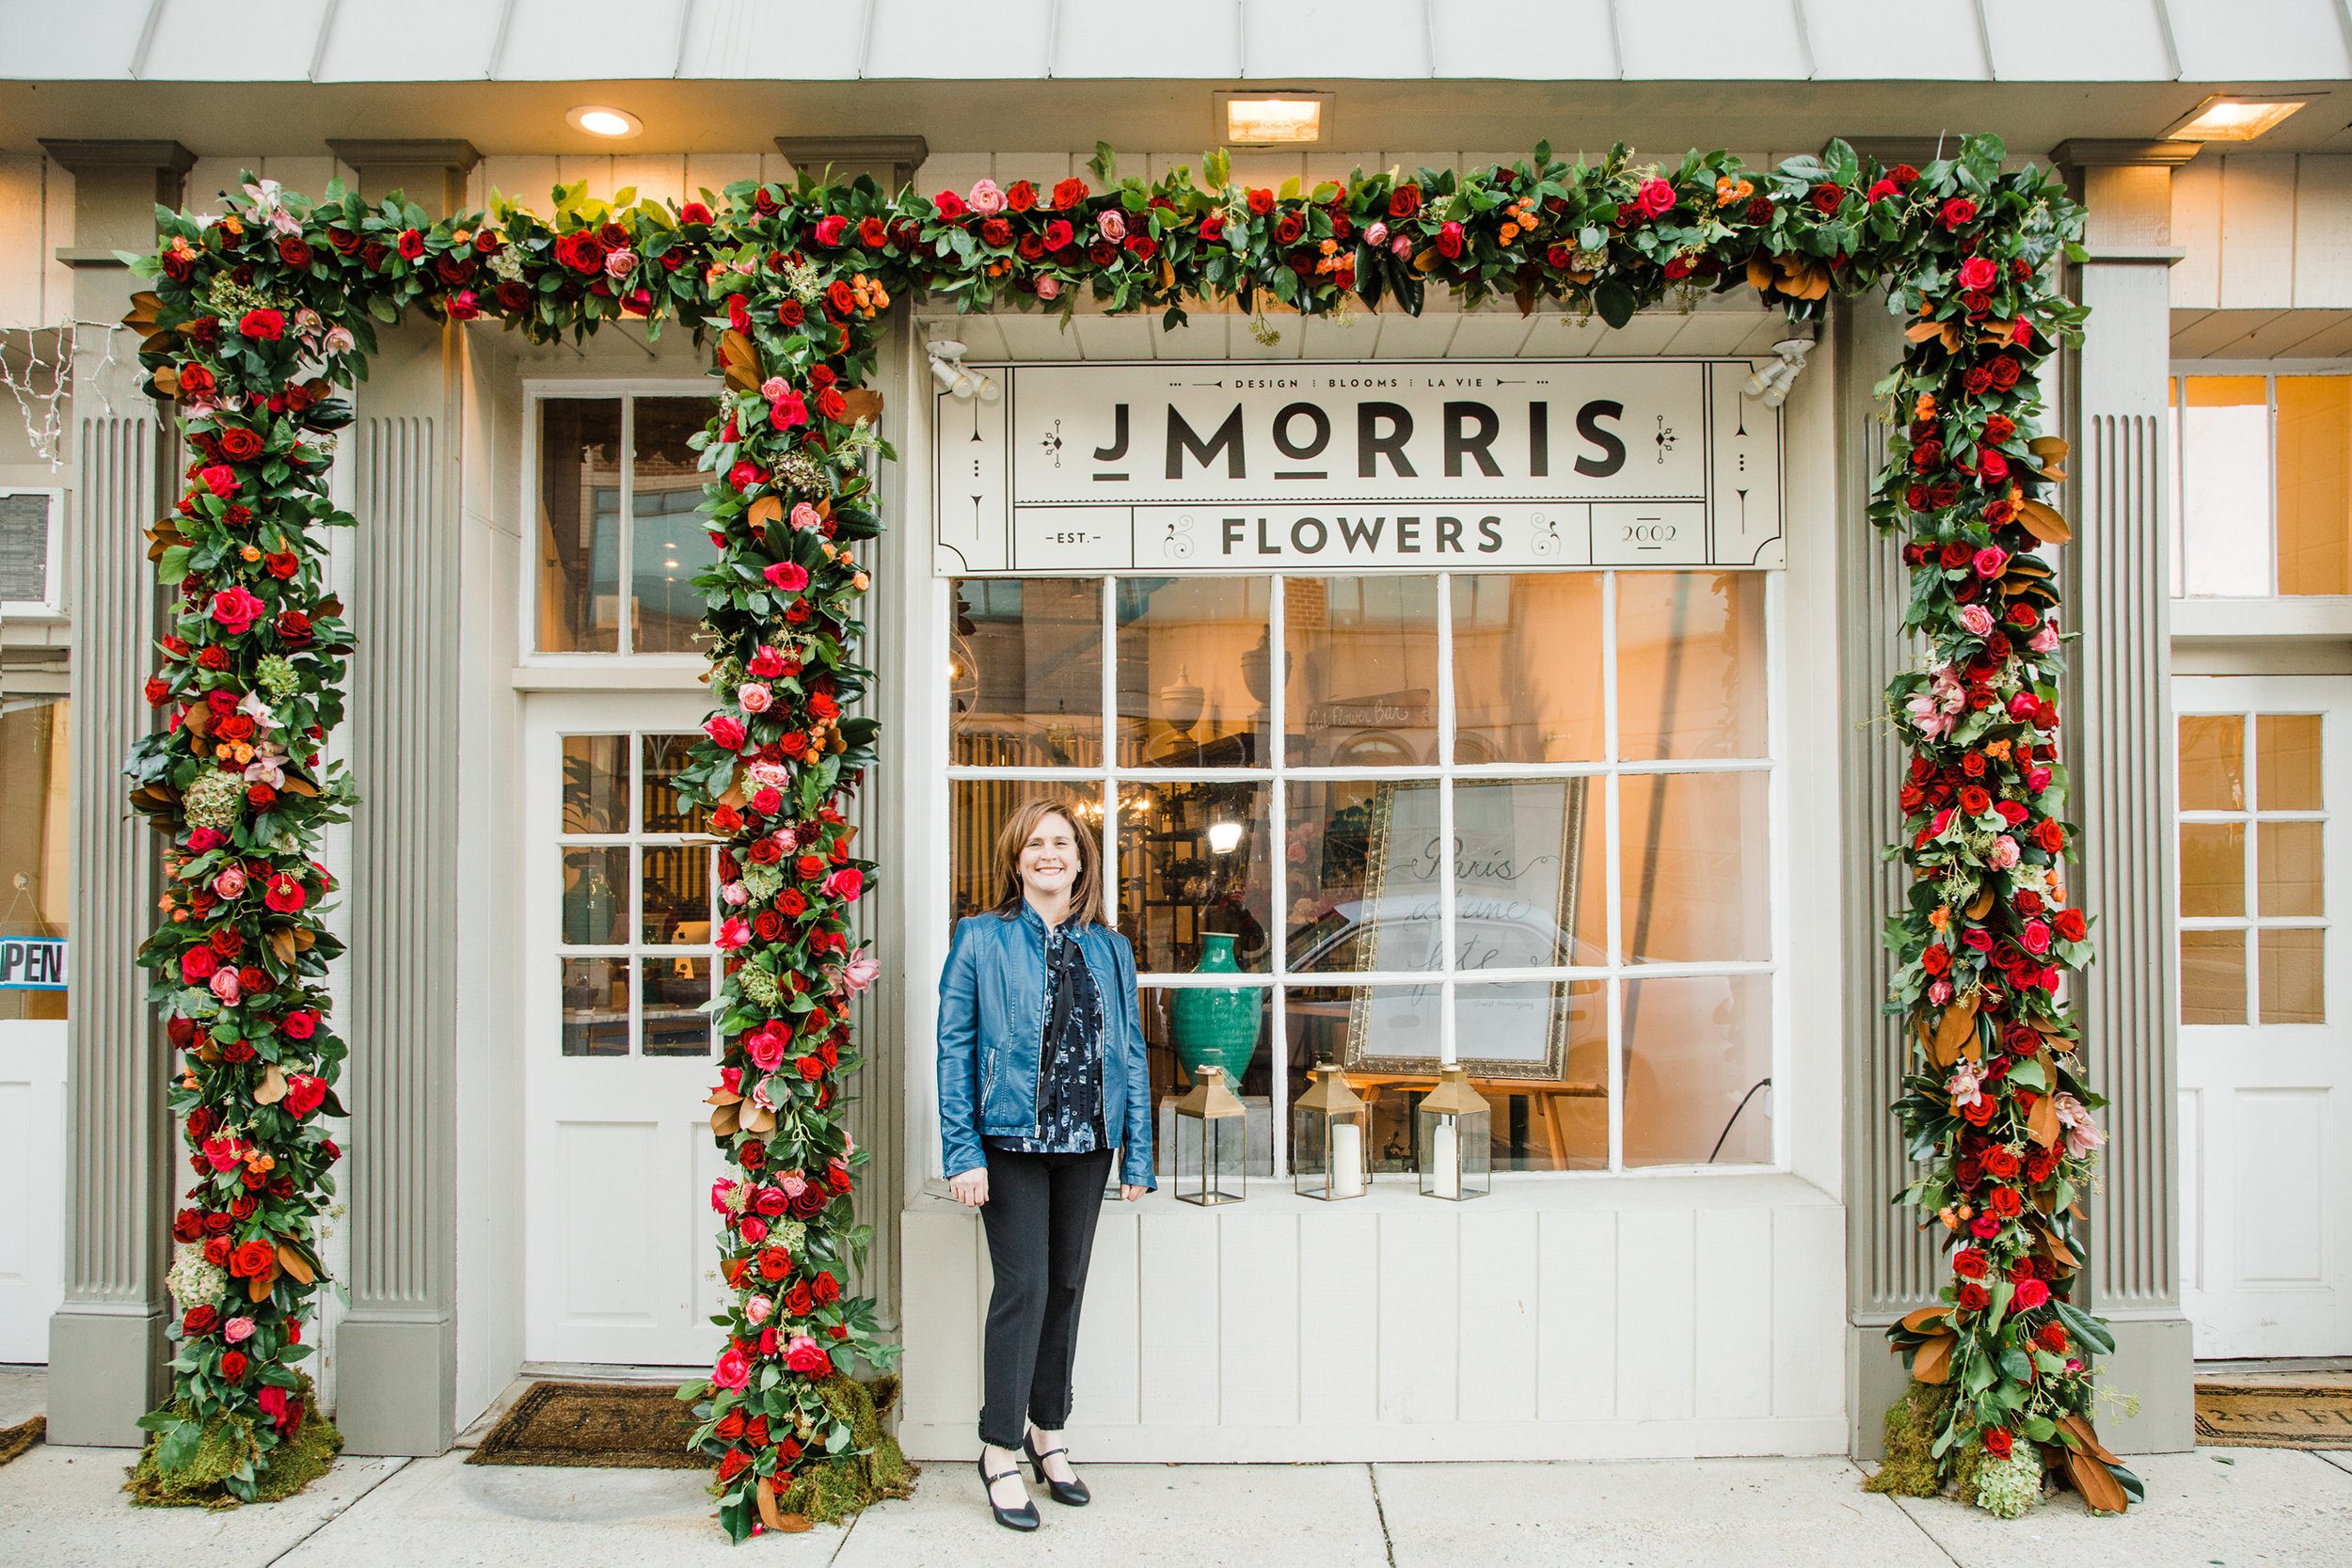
x=1216 y=1025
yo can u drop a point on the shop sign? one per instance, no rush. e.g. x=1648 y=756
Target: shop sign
x=1405 y=465
x=32 y=963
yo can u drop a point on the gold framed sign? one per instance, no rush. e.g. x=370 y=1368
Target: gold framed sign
x=1517 y=866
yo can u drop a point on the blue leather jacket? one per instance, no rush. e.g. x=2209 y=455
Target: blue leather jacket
x=992 y=1026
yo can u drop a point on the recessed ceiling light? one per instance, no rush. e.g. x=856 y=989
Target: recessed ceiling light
x=599 y=121
x=2234 y=119
x=1272 y=120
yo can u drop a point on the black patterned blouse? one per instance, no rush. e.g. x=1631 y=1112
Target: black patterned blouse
x=1069 y=1071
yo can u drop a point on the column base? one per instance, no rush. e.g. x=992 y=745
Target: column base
x=396 y=1385
x=107 y=1369
x=2152 y=1367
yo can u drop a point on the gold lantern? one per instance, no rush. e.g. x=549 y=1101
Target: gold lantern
x=1330 y=1137
x=1456 y=1142
x=1212 y=1142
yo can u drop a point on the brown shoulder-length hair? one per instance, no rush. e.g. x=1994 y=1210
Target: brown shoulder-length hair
x=1085 y=892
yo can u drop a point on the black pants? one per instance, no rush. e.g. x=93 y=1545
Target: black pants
x=1039 y=1218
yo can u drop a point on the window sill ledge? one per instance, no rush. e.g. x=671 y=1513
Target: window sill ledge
x=1747 y=1188
x=2280 y=619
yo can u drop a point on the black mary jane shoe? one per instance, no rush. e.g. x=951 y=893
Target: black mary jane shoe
x=1070 y=1494
x=1022 y=1518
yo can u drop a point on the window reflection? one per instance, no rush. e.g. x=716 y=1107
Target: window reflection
x=1691 y=671
x=668 y=545
x=1362 y=654
x=1194 y=663
x=595 y=1006
x=1527 y=667
x=1025 y=672
x=34 y=864
x=1693 y=868
x=1194 y=883
x=1698 y=1070
x=578 y=527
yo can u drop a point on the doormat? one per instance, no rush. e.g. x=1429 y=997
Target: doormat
x=605 y=1426
x=2273 y=1416
x=17 y=1441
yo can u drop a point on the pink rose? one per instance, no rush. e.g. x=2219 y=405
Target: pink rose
x=753 y=697
x=1992 y=467
x=2004 y=853
x=618 y=263
x=237 y=1330
x=806 y=519
x=225 y=985
x=219 y=478
x=734 y=1369
x=725 y=730
x=789 y=412
x=765 y=1046
x=845 y=884
x=2035 y=938
x=1049 y=288
x=2047 y=640
x=831 y=228
x=719 y=1190
x=986 y=199
x=1655 y=199
x=1400 y=245
x=2031 y=1293
x=229 y=884
x=1113 y=224
x=1976 y=620
x=1377 y=235
x=790 y=576
x=235 y=609
x=733 y=933
x=1988 y=561
x=806 y=1356
x=754 y=1229
x=756 y=1309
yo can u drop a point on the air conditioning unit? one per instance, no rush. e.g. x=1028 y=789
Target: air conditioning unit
x=32 y=534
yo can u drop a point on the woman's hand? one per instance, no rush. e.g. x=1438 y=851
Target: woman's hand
x=1130 y=1192
x=971 y=1188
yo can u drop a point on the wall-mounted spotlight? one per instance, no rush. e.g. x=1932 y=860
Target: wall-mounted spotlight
x=946 y=357
x=1771 y=383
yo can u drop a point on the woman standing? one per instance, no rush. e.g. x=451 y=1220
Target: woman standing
x=1041 y=1076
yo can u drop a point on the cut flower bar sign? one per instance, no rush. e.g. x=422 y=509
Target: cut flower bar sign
x=263 y=315
x=1418 y=465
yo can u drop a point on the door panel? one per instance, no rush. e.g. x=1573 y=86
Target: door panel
x=618 y=1052
x=2265 y=1000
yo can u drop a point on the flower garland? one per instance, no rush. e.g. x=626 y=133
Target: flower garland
x=265 y=313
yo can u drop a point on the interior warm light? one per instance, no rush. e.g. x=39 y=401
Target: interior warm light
x=2234 y=118
x=1258 y=121
x=599 y=121
x=1224 y=837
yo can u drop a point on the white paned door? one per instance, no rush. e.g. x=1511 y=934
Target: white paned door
x=2264 y=764
x=620 y=1260
x=32 y=1173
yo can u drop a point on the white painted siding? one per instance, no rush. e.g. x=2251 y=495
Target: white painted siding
x=2267 y=272
x=35 y=221
x=1553 y=1320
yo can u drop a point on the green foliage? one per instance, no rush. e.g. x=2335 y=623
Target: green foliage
x=223 y=1461
x=1910 y=1468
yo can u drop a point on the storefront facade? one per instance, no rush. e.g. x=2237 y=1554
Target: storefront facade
x=1281 y=616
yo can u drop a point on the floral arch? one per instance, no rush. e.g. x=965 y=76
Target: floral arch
x=264 y=316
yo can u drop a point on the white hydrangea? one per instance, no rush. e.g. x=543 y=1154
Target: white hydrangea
x=192 y=1281
x=2007 y=1487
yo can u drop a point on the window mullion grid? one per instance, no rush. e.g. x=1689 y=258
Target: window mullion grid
x=1613 y=993
x=1277 y=872
x=625 y=569
x=635 y=930
x=2250 y=853
x=1448 y=1047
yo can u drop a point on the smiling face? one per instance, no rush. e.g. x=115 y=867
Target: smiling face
x=1050 y=860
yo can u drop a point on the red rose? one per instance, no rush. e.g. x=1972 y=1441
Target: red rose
x=1978 y=273
x=949 y=205
x=1974 y=1298
x=1449 y=240
x=1970 y=1264
x=809 y=1358
x=1956 y=211
x=293 y=250
x=2005 y=1202
x=1261 y=203
x=1403 y=201
x=263 y=325
x=797 y=1302
x=251 y=1259
x=200 y=1320
x=995 y=231
x=1071 y=193
x=2071 y=926
x=2052 y=1338
x=1828 y=197
x=827 y=1288
x=2049 y=835
x=232 y=1365
x=411 y=243
x=732 y=1465
x=293 y=628
x=580 y=251
x=775 y=1263
x=1021 y=196
x=1997 y=1442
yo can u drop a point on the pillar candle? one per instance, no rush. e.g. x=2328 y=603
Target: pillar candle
x=1445 y=1163
x=1347 y=1160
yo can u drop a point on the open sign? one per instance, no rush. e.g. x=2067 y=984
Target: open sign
x=32 y=963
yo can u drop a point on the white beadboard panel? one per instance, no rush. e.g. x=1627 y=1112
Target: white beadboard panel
x=1719 y=331
x=1553 y=1320
x=22 y=257
x=1419 y=1316
x=1807 y=1307
x=1656 y=1316
x=1564 y=40
x=1495 y=334
x=1646 y=334
x=1116 y=337
x=1732 y=1334
x=2190 y=1116
x=954 y=171
x=417 y=41
x=1303 y=40
x=1576 y=1366
x=1106 y=42
x=1712 y=41
x=948 y=40
x=1339 y=1281
x=942 y=1268
x=2197 y=229
x=1036 y=337
x=1205 y=335
x=1422 y=336
x=1258 y=1318
x=1110 y=1327
x=1178 y=1321
x=303 y=176
x=2293 y=40
x=2258 y=225
x=2085 y=41
x=1041 y=169
x=528 y=181
x=655 y=176
x=761 y=40
x=1869 y=40
x=2322 y=232
x=715 y=171
x=1501 y=1313
x=1354 y=336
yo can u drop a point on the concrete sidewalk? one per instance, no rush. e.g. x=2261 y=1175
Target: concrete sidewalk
x=61 y=1508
